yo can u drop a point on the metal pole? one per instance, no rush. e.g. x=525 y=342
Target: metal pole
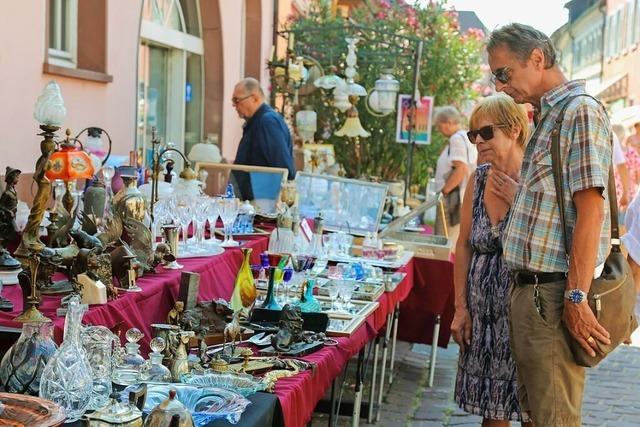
x=412 y=111
x=434 y=349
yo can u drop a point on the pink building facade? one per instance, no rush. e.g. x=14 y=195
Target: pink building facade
x=130 y=65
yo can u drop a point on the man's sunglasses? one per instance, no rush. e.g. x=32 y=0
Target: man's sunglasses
x=486 y=132
x=236 y=101
x=502 y=75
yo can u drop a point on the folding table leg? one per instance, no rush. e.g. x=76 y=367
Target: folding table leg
x=434 y=349
x=357 y=398
x=333 y=403
x=394 y=339
x=374 y=371
x=385 y=344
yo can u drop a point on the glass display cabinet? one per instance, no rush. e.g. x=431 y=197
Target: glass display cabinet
x=414 y=231
x=348 y=205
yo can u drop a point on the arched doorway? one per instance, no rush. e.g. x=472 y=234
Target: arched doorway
x=170 y=74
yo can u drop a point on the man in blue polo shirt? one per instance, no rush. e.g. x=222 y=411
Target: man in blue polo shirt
x=266 y=140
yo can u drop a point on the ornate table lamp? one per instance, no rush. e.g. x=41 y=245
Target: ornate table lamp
x=50 y=112
x=70 y=163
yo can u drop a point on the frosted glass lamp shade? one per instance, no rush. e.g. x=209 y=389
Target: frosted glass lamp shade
x=49 y=109
x=205 y=152
x=352 y=128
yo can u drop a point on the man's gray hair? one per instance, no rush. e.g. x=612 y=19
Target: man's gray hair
x=447 y=113
x=521 y=40
x=251 y=86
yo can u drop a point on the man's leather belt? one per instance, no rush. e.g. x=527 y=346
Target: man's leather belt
x=523 y=277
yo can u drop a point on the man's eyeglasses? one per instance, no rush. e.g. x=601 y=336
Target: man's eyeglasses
x=502 y=75
x=236 y=101
x=486 y=132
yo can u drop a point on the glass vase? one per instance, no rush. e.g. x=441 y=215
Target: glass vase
x=22 y=365
x=270 y=302
x=98 y=343
x=308 y=303
x=67 y=378
x=244 y=291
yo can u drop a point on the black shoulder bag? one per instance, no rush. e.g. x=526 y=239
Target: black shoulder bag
x=612 y=296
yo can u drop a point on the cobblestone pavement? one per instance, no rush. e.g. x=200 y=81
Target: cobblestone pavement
x=612 y=396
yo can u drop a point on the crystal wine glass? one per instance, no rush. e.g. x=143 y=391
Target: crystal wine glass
x=228 y=212
x=200 y=215
x=184 y=215
x=212 y=216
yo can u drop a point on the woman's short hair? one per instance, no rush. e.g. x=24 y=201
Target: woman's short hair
x=447 y=113
x=501 y=109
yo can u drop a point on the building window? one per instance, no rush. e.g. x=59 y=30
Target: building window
x=63 y=32
x=170 y=75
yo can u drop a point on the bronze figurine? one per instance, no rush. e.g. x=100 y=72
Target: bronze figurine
x=8 y=227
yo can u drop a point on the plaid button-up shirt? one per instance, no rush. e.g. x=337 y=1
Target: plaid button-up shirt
x=533 y=237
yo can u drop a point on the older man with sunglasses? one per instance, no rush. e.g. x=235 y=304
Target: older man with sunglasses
x=548 y=301
x=266 y=140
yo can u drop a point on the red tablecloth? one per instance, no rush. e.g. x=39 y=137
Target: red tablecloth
x=432 y=294
x=298 y=395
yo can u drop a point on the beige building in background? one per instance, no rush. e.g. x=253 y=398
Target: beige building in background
x=130 y=65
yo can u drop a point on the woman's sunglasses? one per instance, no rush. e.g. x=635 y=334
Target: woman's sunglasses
x=486 y=132
x=502 y=75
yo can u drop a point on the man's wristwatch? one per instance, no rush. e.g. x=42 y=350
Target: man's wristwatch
x=576 y=296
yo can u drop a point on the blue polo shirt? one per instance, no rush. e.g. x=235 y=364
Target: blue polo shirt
x=266 y=141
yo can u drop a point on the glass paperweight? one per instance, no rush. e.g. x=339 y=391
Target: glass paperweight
x=205 y=404
x=128 y=370
x=22 y=365
x=156 y=371
x=243 y=384
x=98 y=343
x=67 y=378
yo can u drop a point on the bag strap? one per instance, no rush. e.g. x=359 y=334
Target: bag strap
x=556 y=164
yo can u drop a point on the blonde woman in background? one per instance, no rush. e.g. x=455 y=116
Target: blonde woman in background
x=486 y=381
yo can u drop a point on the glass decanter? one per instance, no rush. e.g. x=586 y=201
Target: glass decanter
x=67 y=378
x=22 y=365
x=130 y=364
x=155 y=370
x=98 y=343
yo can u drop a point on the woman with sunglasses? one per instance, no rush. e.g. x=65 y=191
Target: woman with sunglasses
x=486 y=381
x=456 y=162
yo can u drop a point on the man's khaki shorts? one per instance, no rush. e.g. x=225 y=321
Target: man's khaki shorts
x=550 y=383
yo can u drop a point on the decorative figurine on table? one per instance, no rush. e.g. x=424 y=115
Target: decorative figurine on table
x=124 y=266
x=290 y=330
x=8 y=227
x=174 y=317
x=208 y=317
x=178 y=342
x=141 y=243
x=232 y=332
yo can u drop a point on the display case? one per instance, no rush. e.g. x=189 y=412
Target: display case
x=414 y=232
x=349 y=205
